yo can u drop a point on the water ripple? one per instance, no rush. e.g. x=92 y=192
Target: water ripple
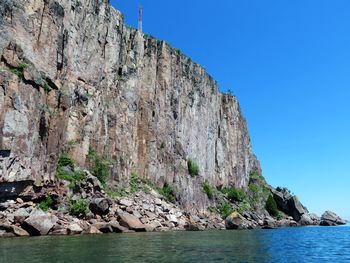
x=310 y=244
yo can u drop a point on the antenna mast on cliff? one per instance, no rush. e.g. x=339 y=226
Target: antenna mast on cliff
x=140 y=18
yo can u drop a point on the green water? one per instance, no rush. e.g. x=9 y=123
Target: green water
x=314 y=244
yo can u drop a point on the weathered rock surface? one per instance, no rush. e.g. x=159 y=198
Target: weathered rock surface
x=331 y=219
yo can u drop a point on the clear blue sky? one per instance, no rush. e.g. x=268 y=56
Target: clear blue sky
x=288 y=62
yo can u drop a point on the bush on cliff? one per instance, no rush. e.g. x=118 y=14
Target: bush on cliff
x=66 y=171
x=64 y=160
x=193 y=168
x=46 y=203
x=271 y=206
x=78 y=207
x=234 y=194
x=224 y=209
x=100 y=166
x=208 y=189
x=168 y=192
x=133 y=183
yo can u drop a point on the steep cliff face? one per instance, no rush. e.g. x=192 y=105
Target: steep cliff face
x=72 y=71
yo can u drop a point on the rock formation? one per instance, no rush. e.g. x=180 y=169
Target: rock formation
x=79 y=90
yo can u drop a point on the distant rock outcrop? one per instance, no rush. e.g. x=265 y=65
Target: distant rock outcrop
x=331 y=219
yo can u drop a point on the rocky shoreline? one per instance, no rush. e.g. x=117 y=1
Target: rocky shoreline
x=141 y=211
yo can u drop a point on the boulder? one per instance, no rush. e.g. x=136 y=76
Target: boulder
x=269 y=223
x=92 y=230
x=331 y=219
x=39 y=223
x=20 y=215
x=117 y=228
x=94 y=181
x=12 y=229
x=131 y=222
x=316 y=220
x=103 y=227
x=100 y=206
x=19 y=231
x=236 y=221
x=296 y=209
x=126 y=202
x=289 y=203
x=172 y=218
x=151 y=227
x=286 y=223
x=306 y=220
x=74 y=229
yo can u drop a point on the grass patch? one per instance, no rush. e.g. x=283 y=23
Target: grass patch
x=253 y=188
x=71 y=143
x=168 y=192
x=193 y=168
x=46 y=87
x=208 y=189
x=46 y=203
x=19 y=70
x=115 y=193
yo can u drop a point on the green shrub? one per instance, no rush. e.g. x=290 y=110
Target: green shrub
x=271 y=206
x=208 y=189
x=224 y=209
x=19 y=70
x=133 y=183
x=279 y=216
x=253 y=188
x=71 y=143
x=46 y=203
x=46 y=87
x=243 y=207
x=78 y=207
x=64 y=160
x=100 y=166
x=168 y=192
x=193 y=168
x=234 y=194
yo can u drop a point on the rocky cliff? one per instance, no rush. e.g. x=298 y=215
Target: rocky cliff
x=73 y=73
x=106 y=129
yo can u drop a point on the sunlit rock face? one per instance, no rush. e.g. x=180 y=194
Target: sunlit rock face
x=72 y=71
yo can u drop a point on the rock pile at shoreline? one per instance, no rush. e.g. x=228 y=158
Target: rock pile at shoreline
x=139 y=211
